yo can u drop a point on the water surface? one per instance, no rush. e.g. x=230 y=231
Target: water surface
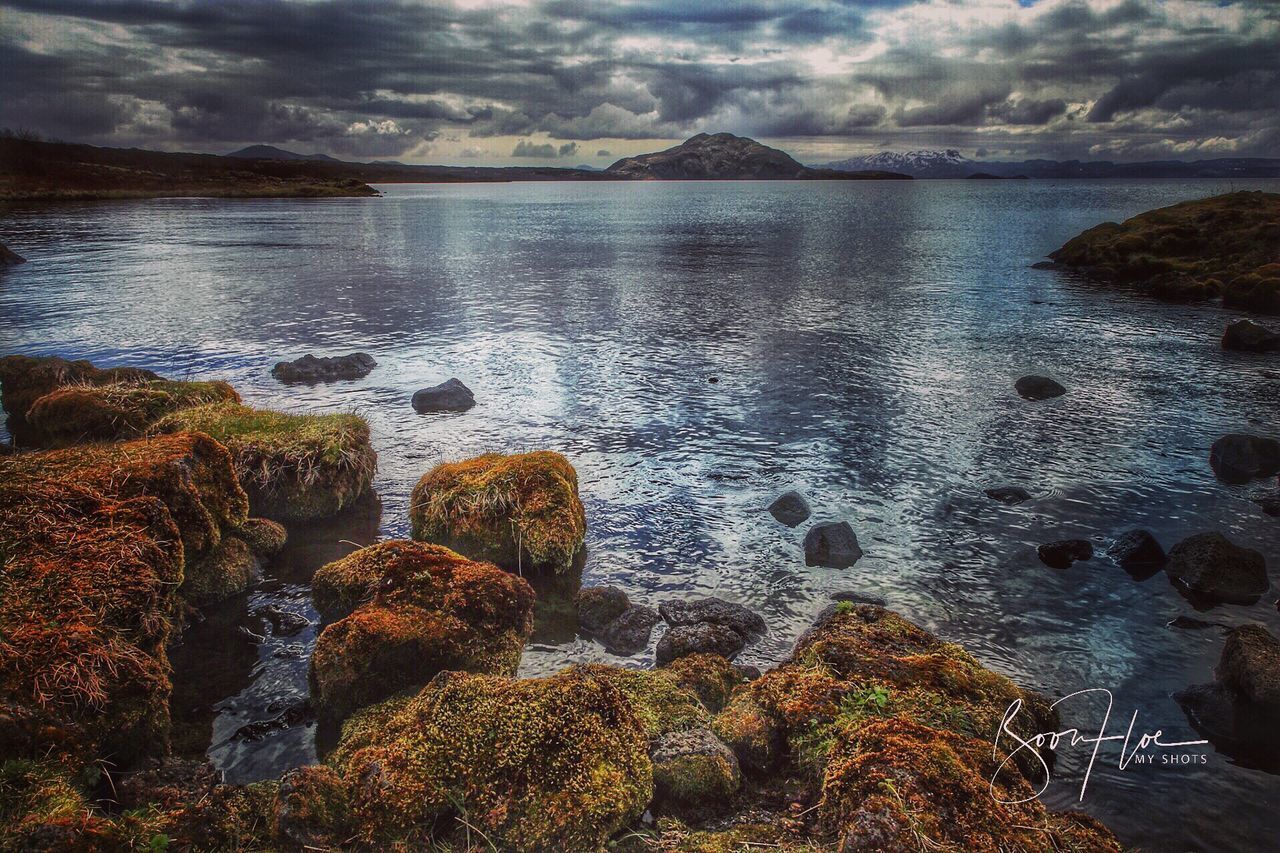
x=865 y=338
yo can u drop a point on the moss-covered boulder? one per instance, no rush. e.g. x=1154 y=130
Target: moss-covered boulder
x=711 y=678
x=558 y=763
x=414 y=610
x=694 y=770
x=520 y=511
x=25 y=379
x=293 y=467
x=78 y=413
x=87 y=605
x=1224 y=246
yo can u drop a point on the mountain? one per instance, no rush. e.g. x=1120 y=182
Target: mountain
x=952 y=164
x=270 y=152
x=723 y=156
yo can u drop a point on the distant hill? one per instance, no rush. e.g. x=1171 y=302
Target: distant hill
x=952 y=164
x=270 y=152
x=723 y=156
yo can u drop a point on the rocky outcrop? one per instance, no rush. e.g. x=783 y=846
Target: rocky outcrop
x=1248 y=336
x=1038 y=388
x=707 y=626
x=310 y=369
x=24 y=379
x=1211 y=568
x=790 y=508
x=1062 y=554
x=1240 y=457
x=723 y=156
x=115 y=412
x=449 y=396
x=831 y=544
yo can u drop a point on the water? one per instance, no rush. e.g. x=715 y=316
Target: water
x=865 y=336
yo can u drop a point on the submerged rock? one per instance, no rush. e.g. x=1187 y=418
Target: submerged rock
x=714 y=610
x=790 y=508
x=1138 y=553
x=1270 y=504
x=831 y=544
x=450 y=396
x=1190 y=623
x=1248 y=336
x=1209 y=566
x=1011 y=495
x=418 y=610
x=1038 y=388
x=1240 y=457
x=520 y=511
x=309 y=368
x=699 y=638
x=854 y=597
x=10 y=258
x=1061 y=555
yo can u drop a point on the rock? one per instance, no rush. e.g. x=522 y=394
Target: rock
x=629 y=633
x=1060 y=555
x=711 y=678
x=1190 y=623
x=1210 y=566
x=10 y=258
x=1250 y=666
x=831 y=544
x=857 y=598
x=717 y=611
x=264 y=537
x=694 y=769
x=311 y=369
x=1137 y=552
x=704 y=637
x=284 y=623
x=83 y=413
x=1239 y=457
x=790 y=508
x=298 y=714
x=520 y=511
x=23 y=380
x=1038 y=388
x=1270 y=504
x=1248 y=336
x=598 y=606
x=1011 y=495
x=451 y=396
x=312 y=808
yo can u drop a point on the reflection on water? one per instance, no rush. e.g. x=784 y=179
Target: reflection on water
x=865 y=338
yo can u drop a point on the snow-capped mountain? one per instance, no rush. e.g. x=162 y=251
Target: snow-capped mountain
x=920 y=164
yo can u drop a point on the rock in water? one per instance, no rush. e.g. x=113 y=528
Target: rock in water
x=600 y=605
x=831 y=544
x=1137 y=552
x=1270 y=504
x=451 y=396
x=312 y=369
x=1210 y=566
x=9 y=258
x=709 y=637
x=716 y=611
x=630 y=632
x=1239 y=457
x=1060 y=555
x=1011 y=495
x=1250 y=666
x=1248 y=336
x=790 y=508
x=1038 y=388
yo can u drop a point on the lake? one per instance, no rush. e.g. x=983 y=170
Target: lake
x=864 y=338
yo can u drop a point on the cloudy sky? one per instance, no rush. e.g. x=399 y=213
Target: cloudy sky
x=587 y=81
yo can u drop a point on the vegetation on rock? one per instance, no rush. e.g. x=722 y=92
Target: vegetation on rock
x=78 y=413
x=520 y=511
x=25 y=379
x=293 y=467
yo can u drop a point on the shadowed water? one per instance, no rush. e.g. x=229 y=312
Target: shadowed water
x=865 y=338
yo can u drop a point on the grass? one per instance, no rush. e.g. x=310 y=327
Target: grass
x=84 y=411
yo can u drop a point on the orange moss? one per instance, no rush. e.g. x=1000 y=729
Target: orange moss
x=519 y=511
x=78 y=413
x=86 y=608
x=419 y=609
x=24 y=379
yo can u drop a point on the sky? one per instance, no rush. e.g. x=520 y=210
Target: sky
x=568 y=82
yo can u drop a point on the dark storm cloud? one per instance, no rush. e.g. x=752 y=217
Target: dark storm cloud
x=384 y=78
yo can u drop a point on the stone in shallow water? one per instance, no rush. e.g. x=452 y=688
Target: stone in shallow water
x=1270 y=504
x=714 y=610
x=831 y=544
x=600 y=605
x=1248 y=336
x=451 y=396
x=630 y=632
x=790 y=508
x=1239 y=457
x=1038 y=388
x=9 y=258
x=309 y=368
x=1208 y=566
x=708 y=637
x=1060 y=555
x=1010 y=495
x=1138 y=553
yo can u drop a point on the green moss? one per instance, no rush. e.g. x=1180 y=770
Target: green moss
x=264 y=537
x=520 y=511
x=78 y=413
x=293 y=467
x=710 y=677
x=224 y=572
x=661 y=704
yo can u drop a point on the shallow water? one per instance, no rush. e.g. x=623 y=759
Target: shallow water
x=865 y=338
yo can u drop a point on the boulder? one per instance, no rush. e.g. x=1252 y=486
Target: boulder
x=831 y=544
x=711 y=678
x=629 y=633
x=114 y=412
x=24 y=379
x=1038 y=388
x=327 y=369
x=1011 y=495
x=1270 y=504
x=1248 y=336
x=790 y=508
x=598 y=606
x=693 y=770
x=10 y=258
x=1209 y=566
x=678 y=612
x=703 y=637
x=451 y=396
x=1137 y=552
x=1250 y=666
x=1239 y=457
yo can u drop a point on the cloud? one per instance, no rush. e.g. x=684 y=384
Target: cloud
x=525 y=148
x=603 y=152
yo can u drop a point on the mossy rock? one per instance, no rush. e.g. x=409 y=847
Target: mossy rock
x=558 y=763
x=189 y=472
x=520 y=511
x=293 y=467
x=81 y=413
x=711 y=678
x=223 y=572
x=265 y=537
x=694 y=770
x=87 y=606
x=661 y=702
x=418 y=610
x=24 y=379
